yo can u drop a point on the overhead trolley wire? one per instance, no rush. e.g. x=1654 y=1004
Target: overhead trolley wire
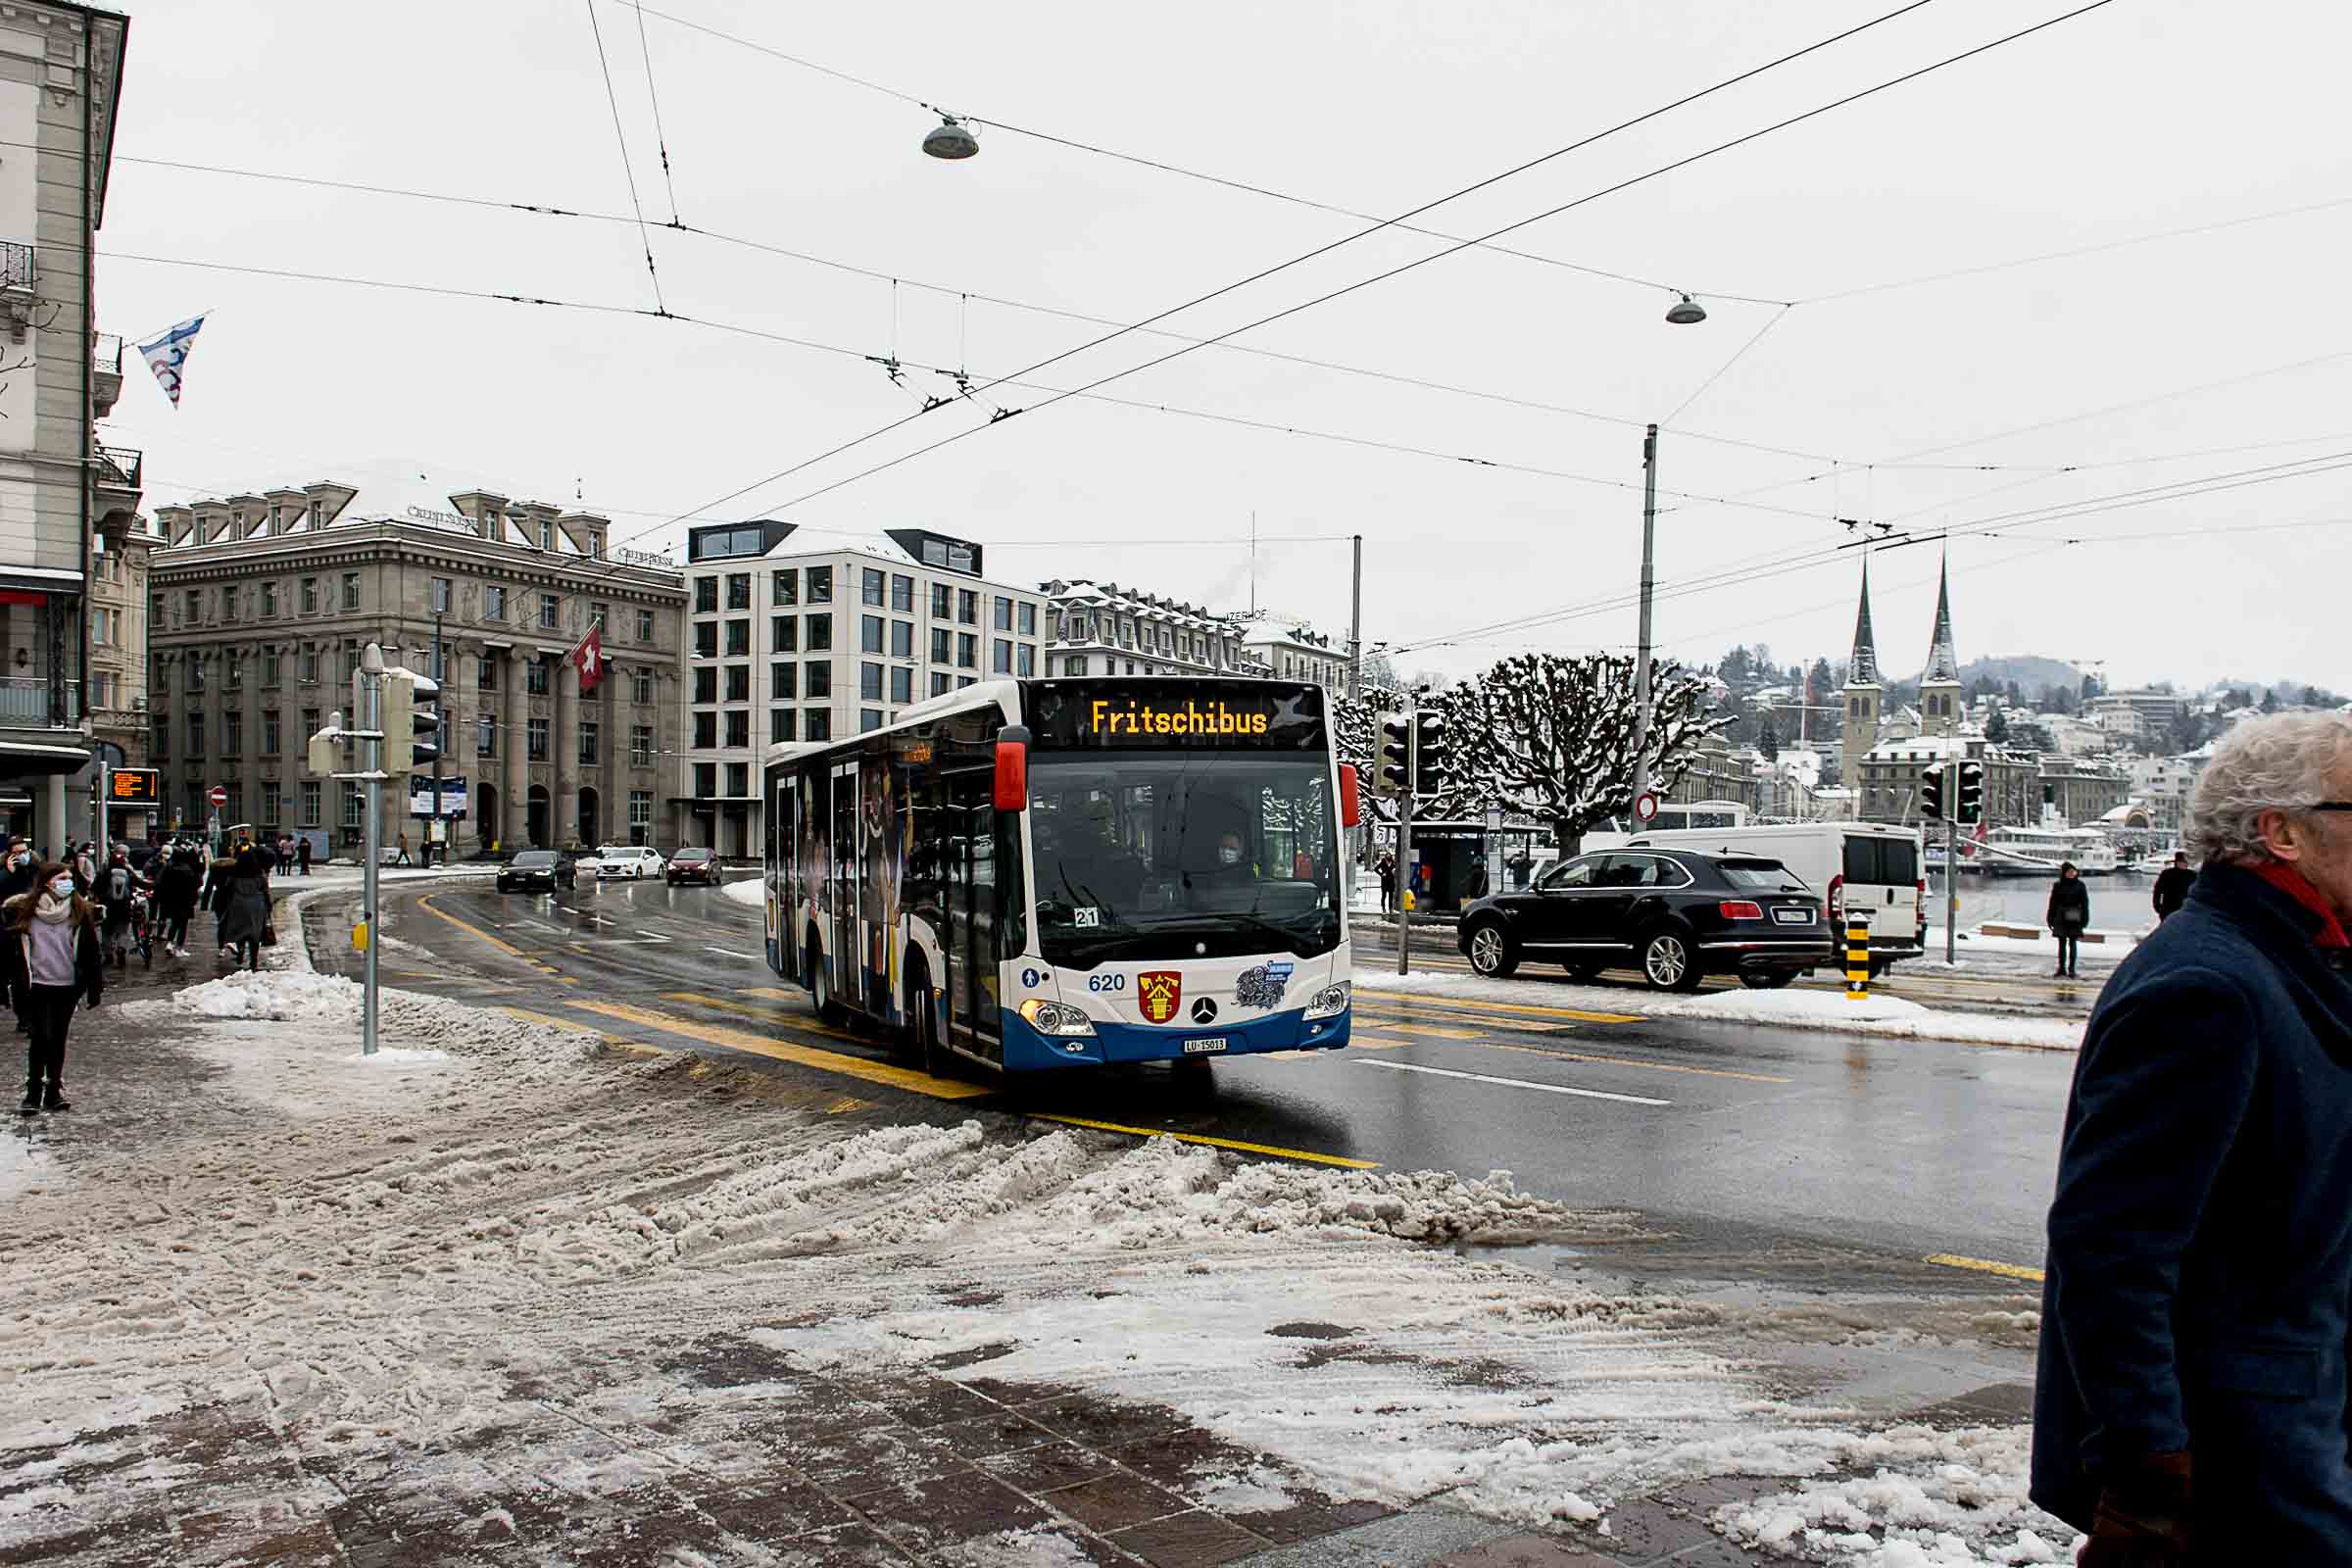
x=611 y=98
x=660 y=136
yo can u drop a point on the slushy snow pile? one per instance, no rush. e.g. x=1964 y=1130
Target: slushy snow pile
x=749 y=890
x=373 y=1263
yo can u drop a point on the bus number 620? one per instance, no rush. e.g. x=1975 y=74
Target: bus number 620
x=1106 y=982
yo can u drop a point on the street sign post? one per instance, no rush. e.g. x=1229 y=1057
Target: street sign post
x=1645 y=807
x=218 y=796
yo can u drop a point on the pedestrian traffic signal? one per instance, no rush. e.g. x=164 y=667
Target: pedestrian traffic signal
x=1392 y=769
x=1930 y=793
x=1432 y=754
x=1969 y=804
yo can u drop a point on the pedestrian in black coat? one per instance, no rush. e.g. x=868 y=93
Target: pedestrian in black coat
x=2192 y=1400
x=21 y=875
x=2171 y=886
x=176 y=888
x=2069 y=917
x=50 y=951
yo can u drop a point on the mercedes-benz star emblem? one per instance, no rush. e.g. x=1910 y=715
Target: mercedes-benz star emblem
x=1205 y=1012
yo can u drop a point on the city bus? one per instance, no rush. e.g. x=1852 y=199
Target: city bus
x=1033 y=875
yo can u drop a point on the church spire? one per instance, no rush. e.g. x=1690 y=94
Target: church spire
x=1943 y=665
x=1864 y=668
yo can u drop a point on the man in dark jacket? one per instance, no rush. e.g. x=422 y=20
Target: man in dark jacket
x=2191 y=1401
x=2171 y=886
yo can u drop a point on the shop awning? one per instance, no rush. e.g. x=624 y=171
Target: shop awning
x=32 y=759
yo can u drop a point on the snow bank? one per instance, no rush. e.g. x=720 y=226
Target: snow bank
x=751 y=890
x=1933 y=1497
x=275 y=993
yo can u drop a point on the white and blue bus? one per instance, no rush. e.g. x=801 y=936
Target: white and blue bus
x=1057 y=873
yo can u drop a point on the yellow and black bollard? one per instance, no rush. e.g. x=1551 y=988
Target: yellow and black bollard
x=1857 y=956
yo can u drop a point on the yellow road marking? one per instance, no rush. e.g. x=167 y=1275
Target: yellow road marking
x=1404 y=998
x=1383 y=1039
x=554 y=1022
x=507 y=947
x=846 y=1102
x=2014 y=1271
x=1214 y=1143
x=785 y=1051
x=808 y=1026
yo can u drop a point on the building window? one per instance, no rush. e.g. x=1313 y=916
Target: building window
x=817 y=726
x=817 y=681
x=270 y=667
x=706 y=596
x=706 y=731
x=534 y=676
x=494 y=602
x=967 y=607
x=738 y=727
x=268 y=599
x=706 y=639
x=1002 y=656
x=1004 y=614
x=269 y=732
x=783 y=634
x=938 y=684
x=739 y=639
x=902 y=639
x=195 y=733
x=780 y=682
x=485 y=673
x=739 y=590
x=641 y=815
x=309 y=796
x=641 y=686
x=229 y=604
x=869 y=634
x=739 y=684
x=820 y=585
x=784 y=586
x=868 y=720
x=869 y=683
x=588 y=740
x=534 y=733
x=641 y=744
x=706 y=780
x=309 y=664
x=236 y=662
x=548 y=610
x=939 y=645
x=779 y=726
x=1074 y=664
x=939 y=601
x=967 y=651
x=601 y=616
x=902 y=684
x=705 y=683
x=1028 y=619
x=355 y=802
x=162 y=726
x=645 y=625
x=901 y=594
x=820 y=628
x=441 y=595
x=739 y=779
x=485 y=735
x=871 y=591
x=1025 y=664
x=351 y=590
x=309 y=596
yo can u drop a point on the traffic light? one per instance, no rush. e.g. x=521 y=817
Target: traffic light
x=411 y=721
x=324 y=753
x=1430 y=754
x=1970 y=805
x=1930 y=793
x=1392 y=769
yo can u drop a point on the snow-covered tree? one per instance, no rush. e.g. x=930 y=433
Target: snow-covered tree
x=1996 y=726
x=1555 y=736
x=1767 y=741
x=1449 y=790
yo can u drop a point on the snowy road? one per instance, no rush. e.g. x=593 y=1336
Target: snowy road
x=1748 y=1135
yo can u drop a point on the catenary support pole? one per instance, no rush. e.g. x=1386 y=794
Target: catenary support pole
x=1649 y=535
x=1356 y=624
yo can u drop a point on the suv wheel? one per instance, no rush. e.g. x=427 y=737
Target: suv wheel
x=1668 y=964
x=1493 y=953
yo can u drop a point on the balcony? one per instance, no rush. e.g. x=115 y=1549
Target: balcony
x=26 y=703
x=106 y=374
x=117 y=470
x=20 y=267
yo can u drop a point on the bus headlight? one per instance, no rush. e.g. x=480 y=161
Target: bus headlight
x=1329 y=1002
x=1054 y=1017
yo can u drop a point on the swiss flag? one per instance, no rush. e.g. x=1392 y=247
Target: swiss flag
x=590 y=657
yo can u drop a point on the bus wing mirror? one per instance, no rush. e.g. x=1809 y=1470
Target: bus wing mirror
x=1013 y=769
x=1351 y=809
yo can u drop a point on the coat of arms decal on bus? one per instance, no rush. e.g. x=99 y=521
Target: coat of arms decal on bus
x=1159 y=991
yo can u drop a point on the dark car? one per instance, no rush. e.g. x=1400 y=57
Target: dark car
x=692 y=865
x=1677 y=916
x=536 y=872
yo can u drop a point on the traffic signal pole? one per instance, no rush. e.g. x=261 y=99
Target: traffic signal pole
x=1404 y=837
x=367 y=702
x=1951 y=891
x=430 y=828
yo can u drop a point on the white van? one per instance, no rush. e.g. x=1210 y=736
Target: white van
x=1871 y=868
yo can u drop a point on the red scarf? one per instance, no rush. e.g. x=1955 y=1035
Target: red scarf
x=2296 y=886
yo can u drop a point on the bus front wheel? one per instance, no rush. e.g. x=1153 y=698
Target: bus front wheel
x=923 y=1026
x=821 y=987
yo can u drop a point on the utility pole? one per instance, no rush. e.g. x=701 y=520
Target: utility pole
x=368 y=703
x=1649 y=535
x=1355 y=624
x=441 y=718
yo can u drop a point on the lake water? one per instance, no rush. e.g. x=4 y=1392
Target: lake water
x=2118 y=902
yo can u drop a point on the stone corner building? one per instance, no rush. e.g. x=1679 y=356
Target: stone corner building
x=261 y=605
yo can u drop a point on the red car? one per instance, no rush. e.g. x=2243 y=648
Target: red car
x=692 y=865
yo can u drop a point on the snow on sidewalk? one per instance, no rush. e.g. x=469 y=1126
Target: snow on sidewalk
x=1880 y=1015
x=503 y=1254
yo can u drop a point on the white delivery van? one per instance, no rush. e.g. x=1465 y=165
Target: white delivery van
x=1871 y=868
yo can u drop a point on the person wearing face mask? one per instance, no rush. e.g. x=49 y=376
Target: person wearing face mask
x=52 y=952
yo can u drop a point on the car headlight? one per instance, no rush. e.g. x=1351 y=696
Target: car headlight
x=1054 y=1017
x=1329 y=1002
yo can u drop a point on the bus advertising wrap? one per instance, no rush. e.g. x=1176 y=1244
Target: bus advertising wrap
x=1078 y=714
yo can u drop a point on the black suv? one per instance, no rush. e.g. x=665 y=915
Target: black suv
x=1677 y=916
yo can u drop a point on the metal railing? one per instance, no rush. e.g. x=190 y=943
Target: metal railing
x=20 y=264
x=106 y=353
x=121 y=465
x=25 y=700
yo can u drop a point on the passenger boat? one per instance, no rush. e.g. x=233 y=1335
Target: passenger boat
x=2041 y=851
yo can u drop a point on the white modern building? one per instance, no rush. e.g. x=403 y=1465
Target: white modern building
x=789 y=643
x=1100 y=628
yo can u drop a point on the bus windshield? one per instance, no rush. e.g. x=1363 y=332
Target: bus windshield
x=1168 y=853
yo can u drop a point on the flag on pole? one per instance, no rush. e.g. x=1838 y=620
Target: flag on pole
x=590 y=657
x=167 y=355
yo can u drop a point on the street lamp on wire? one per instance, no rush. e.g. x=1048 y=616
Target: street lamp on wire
x=1684 y=311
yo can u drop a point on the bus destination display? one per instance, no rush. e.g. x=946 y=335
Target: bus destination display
x=1078 y=714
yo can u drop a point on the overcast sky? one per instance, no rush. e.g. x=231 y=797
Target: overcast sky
x=2141 y=117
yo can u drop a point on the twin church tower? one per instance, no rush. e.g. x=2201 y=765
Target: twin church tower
x=1941 y=702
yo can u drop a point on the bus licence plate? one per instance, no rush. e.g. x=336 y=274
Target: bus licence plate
x=1203 y=1048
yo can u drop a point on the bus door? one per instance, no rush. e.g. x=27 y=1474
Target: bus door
x=972 y=901
x=848 y=957
x=784 y=890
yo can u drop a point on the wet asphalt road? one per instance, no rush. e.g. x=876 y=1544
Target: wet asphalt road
x=1757 y=1136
